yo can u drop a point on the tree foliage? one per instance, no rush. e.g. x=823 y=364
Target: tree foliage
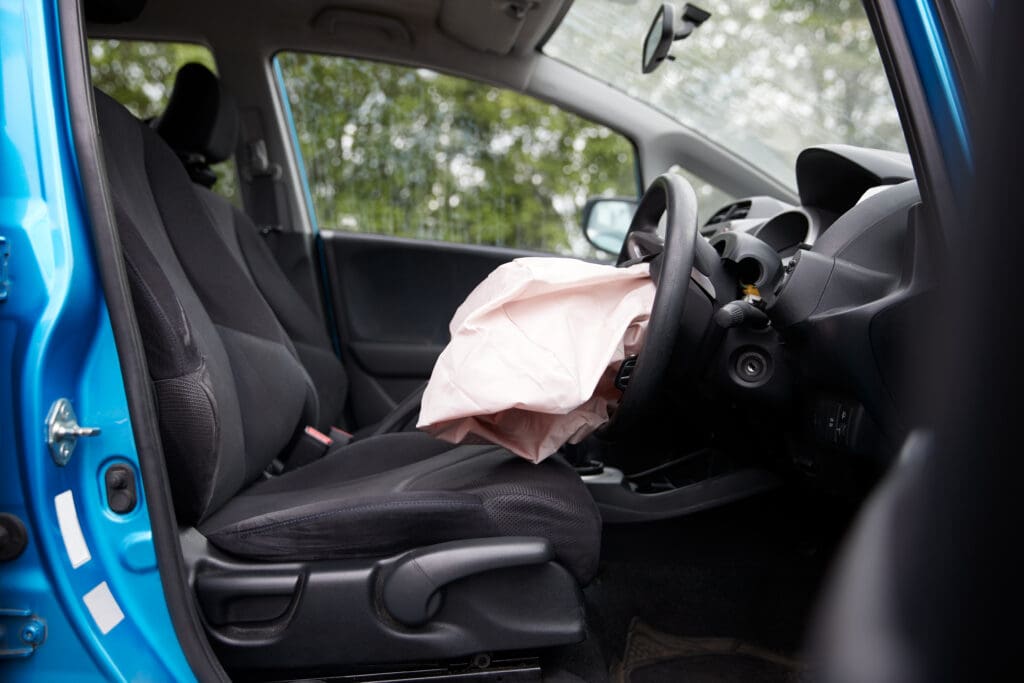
x=413 y=153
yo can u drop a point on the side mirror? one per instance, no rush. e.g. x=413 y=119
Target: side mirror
x=664 y=31
x=606 y=221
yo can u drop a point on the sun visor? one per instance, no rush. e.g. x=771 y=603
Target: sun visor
x=498 y=26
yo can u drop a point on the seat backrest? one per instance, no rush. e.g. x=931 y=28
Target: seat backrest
x=200 y=124
x=230 y=391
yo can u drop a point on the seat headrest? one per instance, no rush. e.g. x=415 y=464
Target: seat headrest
x=113 y=11
x=201 y=119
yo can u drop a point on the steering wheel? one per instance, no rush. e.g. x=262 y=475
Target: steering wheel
x=672 y=261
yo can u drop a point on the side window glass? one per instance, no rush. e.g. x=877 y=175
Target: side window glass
x=140 y=75
x=409 y=152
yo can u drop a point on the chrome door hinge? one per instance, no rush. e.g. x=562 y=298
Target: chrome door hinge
x=62 y=431
x=5 y=255
x=21 y=632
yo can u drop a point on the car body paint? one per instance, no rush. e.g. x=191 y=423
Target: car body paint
x=934 y=64
x=56 y=341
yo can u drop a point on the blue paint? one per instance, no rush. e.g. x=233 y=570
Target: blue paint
x=56 y=339
x=945 y=101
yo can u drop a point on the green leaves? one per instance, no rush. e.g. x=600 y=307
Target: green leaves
x=413 y=153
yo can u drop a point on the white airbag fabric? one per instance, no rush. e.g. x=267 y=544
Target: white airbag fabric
x=534 y=352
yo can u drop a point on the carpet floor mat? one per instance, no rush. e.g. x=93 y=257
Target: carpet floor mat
x=655 y=657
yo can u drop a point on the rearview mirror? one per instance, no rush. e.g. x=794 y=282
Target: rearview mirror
x=659 y=38
x=664 y=32
x=606 y=221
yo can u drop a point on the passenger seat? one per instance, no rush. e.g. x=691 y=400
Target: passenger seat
x=200 y=124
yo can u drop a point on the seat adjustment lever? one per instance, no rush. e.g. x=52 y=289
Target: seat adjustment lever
x=412 y=589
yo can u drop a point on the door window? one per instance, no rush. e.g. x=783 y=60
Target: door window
x=408 y=152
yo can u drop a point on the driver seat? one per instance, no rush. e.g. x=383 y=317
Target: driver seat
x=396 y=547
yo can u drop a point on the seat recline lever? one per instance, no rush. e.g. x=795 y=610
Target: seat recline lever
x=412 y=589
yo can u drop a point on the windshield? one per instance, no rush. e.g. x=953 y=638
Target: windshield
x=762 y=78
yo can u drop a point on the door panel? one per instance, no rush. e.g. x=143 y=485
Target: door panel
x=393 y=299
x=395 y=359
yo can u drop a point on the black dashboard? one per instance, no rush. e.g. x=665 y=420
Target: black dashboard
x=831 y=180
x=843 y=279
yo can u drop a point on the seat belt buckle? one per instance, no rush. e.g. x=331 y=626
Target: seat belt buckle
x=340 y=436
x=311 y=445
x=319 y=437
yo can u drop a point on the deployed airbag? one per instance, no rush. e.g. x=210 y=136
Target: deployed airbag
x=534 y=352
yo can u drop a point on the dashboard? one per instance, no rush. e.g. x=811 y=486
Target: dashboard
x=843 y=279
x=784 y=227
x=831 y=180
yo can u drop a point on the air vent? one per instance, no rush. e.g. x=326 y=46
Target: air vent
x=730 y=213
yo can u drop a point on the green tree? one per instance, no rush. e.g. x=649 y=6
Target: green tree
x=413 y=153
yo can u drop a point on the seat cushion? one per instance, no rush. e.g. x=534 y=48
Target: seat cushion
x=394 y=492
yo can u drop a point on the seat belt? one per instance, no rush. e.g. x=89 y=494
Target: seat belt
x=268 y=202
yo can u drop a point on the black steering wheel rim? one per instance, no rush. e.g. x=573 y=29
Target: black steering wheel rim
x=672 y=196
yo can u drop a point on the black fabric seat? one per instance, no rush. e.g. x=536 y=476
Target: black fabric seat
x=232 y=395
x=200 y=124
x=398 y=491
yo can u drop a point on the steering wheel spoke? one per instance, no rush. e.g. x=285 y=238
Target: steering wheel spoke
x=642 y=247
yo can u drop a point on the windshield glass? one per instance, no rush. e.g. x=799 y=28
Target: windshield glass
x=763 y=78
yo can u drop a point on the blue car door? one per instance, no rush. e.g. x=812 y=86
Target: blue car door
x=80 y=594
